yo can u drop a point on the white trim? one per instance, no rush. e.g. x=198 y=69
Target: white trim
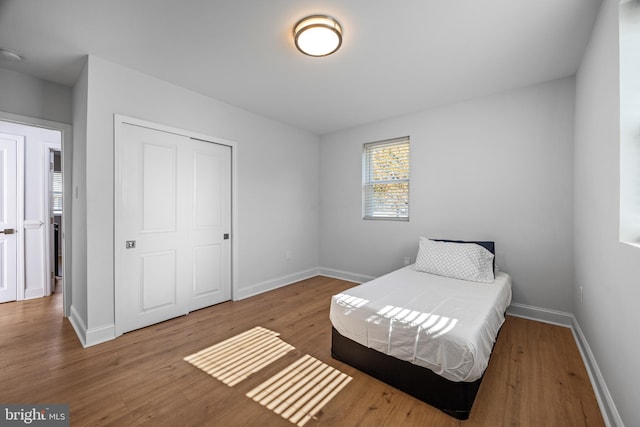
x=93 y=336
x=99 y=335
x=632 y=244
x=118 y=121
x=270 y=285
x=20 y=273
x=608 y=407
x=344 y=275
x=46 y=212
x=234 y=219
x=33 y=293
x=78 y=325
x=117 y=209
x=67 y=146
x=539 y=314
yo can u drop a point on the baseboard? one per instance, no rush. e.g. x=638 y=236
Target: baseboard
x=344 y=275
x=100 y=335
x=272 y=284
x=607 y=406
x=33 y=293
x=89 y=337
x=539 y=314
x=78 y=326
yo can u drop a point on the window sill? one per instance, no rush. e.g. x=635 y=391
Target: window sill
x=375 y=218
x=635 y=245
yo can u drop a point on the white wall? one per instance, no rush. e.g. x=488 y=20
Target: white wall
x=607 y=270
x=495 y=168
x=78 y=199
x=32 y=97
x=277 y=182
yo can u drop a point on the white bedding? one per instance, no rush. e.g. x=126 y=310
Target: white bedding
x=444 y=324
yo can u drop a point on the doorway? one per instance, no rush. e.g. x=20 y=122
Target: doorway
x=56 y=201
x=36 y=246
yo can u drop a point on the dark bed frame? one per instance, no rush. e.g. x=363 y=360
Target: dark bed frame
x=453 y=398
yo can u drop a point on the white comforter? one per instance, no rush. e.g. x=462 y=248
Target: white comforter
x=446 y=325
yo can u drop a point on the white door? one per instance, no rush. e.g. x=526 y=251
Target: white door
x=8 y=217
x=175 y=211
x=210 y=224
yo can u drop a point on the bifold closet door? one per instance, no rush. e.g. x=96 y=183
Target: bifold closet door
x=175 y=210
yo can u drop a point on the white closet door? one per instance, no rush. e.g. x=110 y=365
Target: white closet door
x=174 y=212
x=8 y=217
x=211 y=224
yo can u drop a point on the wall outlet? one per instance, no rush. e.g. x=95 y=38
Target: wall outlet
x=407 y=260
x=287 y=254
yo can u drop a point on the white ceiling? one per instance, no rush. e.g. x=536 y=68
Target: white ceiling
x=396 y=58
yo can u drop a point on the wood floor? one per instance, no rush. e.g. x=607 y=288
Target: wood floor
x=535 y=377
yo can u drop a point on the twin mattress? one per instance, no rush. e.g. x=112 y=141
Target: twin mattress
x=446 y=325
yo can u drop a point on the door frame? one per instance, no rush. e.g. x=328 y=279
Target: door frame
x=66 y=131
x=48 y=148
x=119 y=121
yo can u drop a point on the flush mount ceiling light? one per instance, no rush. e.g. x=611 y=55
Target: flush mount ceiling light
x=10 y=55
x=317 y=35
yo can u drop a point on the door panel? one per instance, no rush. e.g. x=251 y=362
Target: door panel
x=152 y=202
x=8 y=217
x=175 y=203
x=206 y=267
x=159 y=182
x=211 y=220
x=207 y=190
x=8 y=288
x=158 y=280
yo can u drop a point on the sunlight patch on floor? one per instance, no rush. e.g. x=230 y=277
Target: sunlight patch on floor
x=236 y=358
x=299 y=391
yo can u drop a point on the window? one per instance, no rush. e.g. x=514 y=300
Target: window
x=56 y=193
x=385 y=176
x=629 y=53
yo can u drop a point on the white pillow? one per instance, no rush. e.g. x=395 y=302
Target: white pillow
x=466 y=261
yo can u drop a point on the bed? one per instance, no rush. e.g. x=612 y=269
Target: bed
x=423 y=329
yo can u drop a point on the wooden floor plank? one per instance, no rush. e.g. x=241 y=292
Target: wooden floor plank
x=535 y=377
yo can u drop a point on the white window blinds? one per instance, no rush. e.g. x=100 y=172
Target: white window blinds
x=56 y=193
x=385 y=190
